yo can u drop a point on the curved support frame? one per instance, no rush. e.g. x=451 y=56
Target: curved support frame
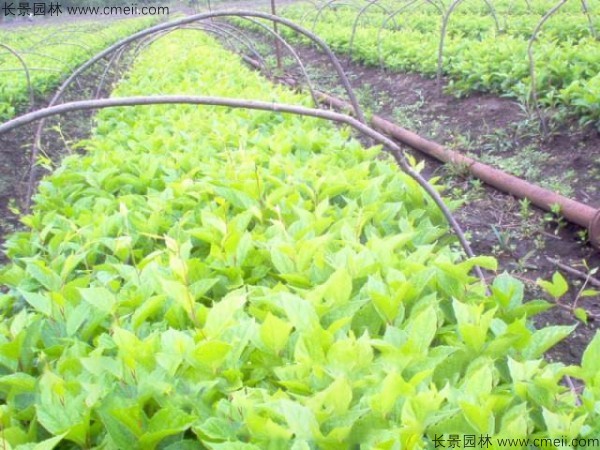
x=36 y=148
x=27 y=74
x=321 y=8
x=495 y=15
x=241 y=36
x=203 y=16
x=384 y=23
x=295 y=55
x=393 y=148
x=33 y=69
x=210 y=27
x=235 y=34
x=61 y=32
x=221 y=27
x=41 y=55
x=69 y=44
x=115 y=57
x=318 y=7
x=357 y=19
x=285 y=8
x=533 y=86
x=586 y=11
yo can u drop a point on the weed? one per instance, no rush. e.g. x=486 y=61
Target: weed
x=525 y=209
x=555 y=218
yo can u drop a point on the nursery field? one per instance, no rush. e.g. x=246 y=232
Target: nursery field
x=233 y=271
x=216 y=278
x=527 y=50
x=32 y=63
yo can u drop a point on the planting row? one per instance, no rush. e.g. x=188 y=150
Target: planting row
x=476 y=58
x=565 y=25
x=50 y=52
x=229 y=279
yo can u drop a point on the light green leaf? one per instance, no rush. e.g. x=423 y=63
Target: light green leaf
x=211 y=353
x=590 y=361
x=301 y=312
x=581 y=314
x=274 y=332
x=39 y=302
x=215 y=429
x=557 y=288
x=338 y=287
x=46 y=277
x=100 y=298
x=166 y=422
x=47 y=444
x=222 y=313
x=545 y=338
x=479 y=417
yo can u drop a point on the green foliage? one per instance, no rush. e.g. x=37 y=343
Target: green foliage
x=557 y=287
x=51 y=52
x=479 y=55
x=233 y=279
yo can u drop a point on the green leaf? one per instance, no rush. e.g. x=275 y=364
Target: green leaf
x=44 y=275
x=515 y=422
x=39 y=302
x=17 y=383
x=211 y=354
x=124 y=423
x=479 y=417
x=485 y=262
x=215 y=429
x=300 y=312
x=336 y=398
x=557 y=288
x=282 y=262
x=222 y=313
x=581 y=314
x=166 y=422
x=185 y=444
x=274 y=332
x=422 y=328
x=338 y=287
x=392 y=387
x=77 y=317
x=301 y=420
x=47 y=444
x=232 y=446
x=590 y=361
x=68 y=417
x=508 y=291
x=101 y=298
x=545 y=338
x=147 y=309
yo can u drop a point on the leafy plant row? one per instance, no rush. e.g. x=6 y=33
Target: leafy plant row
x=571 y=26
x=508 y=8
x=567 y=63
x=206 y=278
x=50 y=52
